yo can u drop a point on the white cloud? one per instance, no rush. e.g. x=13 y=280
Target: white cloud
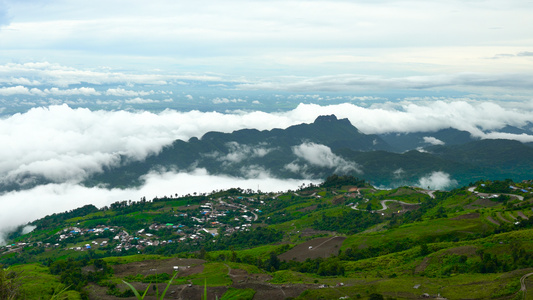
x=73 y=143
x=524 y=138
x=15 y=90
x=219 y=100
x=293 y=167
x=27 y=229
x=356 y=82
x=120 y=92
x=22 y=90
x=437 y=181
x=321 y=155
x=432 y=140
x=398 y=173
x=239 y=152
x=138 y=100
x=421 y=116
x=62 y=76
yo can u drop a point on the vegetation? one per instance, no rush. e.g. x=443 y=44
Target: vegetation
x=327 y=241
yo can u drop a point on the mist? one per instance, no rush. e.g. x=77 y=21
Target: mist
x=437 y=181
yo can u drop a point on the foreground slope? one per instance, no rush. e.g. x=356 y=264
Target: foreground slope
x=343 y=238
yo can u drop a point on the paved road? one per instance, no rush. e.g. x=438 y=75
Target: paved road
x=429 y=193
x=383 y=203
x=472 y=188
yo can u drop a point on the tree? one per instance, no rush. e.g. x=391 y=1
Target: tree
x=424 y=250
x=375 y=297
x=9 y=284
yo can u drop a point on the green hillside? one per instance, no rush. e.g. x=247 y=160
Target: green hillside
x=342 y=238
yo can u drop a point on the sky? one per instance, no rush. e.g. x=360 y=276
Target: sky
x=290 y=45
x=83 y=82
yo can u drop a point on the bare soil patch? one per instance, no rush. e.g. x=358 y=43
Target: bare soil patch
x=521 y=215
x=309 y=208
x=502 y=218
x=186 y=267
x=480 y=202
x=490 y=219
x=466 y=216
x=321 y=247
x=422 y=266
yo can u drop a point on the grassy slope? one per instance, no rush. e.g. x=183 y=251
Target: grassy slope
x=393 y=274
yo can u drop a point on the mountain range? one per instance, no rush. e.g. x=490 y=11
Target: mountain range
x=331 y=145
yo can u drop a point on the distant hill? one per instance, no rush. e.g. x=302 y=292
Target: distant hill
x=330 y=145
x=402 y=142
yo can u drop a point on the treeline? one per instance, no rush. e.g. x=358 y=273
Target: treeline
x=496 y=186
x=336 y=181
x=54 y=219
x=71 y=274
x=239 y=240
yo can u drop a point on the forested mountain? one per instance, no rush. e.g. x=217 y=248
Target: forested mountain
x=330 y=145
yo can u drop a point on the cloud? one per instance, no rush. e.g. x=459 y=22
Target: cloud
x=398 y=173
x=433 y=141
x=22 y=90
x=239 y=152
x=424 y=115
x=120 y=92
x=18 y=208
x=507 y=55
x=61 y=143
x=226 y=100
x=138 y=100
x=525 y=53
x=437 y=181
x=321 y=155
x=354 y=82
x=16 y=90
x=63 y=76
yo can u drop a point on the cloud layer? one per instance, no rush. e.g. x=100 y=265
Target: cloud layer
x=392 y=43
x=64 y=144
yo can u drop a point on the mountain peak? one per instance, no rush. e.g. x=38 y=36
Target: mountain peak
x=330 y=119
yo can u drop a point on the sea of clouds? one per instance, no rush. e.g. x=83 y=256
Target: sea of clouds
x=65 y=145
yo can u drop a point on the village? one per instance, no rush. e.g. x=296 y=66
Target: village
x=193 y=223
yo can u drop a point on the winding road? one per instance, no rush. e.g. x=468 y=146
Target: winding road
x=383 y=203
